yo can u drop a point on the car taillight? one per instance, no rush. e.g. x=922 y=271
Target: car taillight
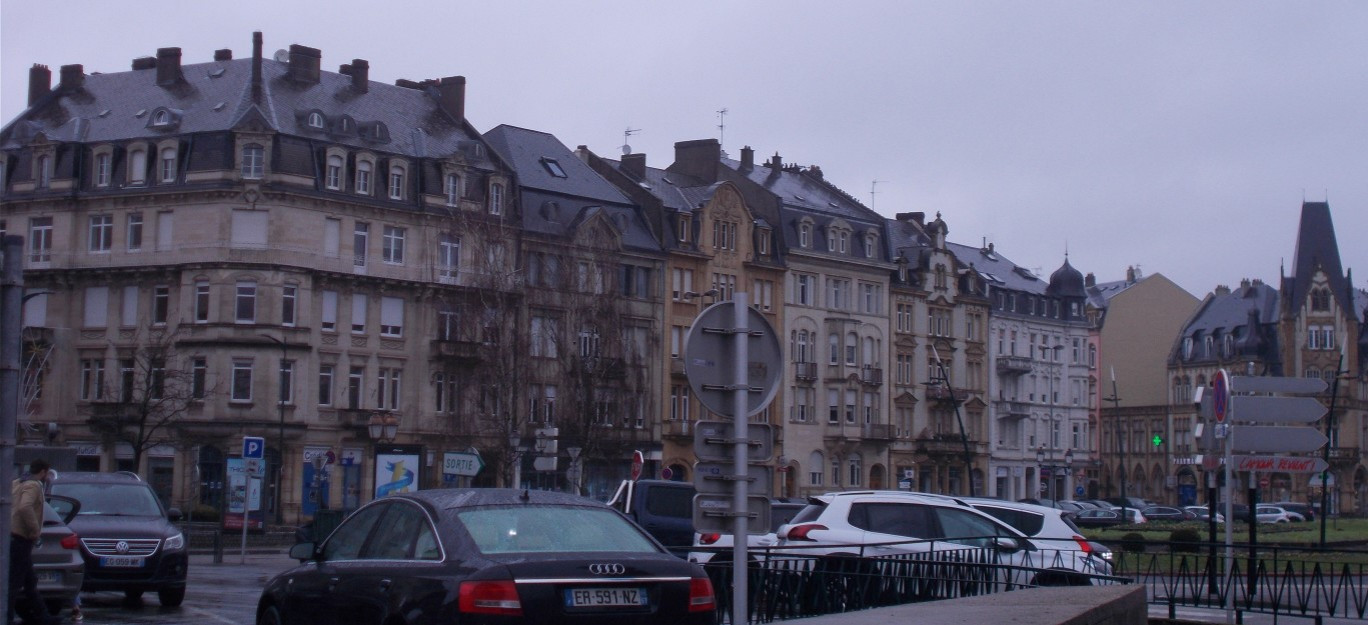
x=490 y=597
x=1083 y=544
x=800 y=532
x=71 y=541
x=708 y=539
x=701 y=595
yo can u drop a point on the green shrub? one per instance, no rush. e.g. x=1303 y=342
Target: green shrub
x=202 y=512
x=1133 y=542
x=1185 y=539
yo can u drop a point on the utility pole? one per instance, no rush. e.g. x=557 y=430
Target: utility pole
x=1120 y=442
x=1329 y=429
x=11 y=329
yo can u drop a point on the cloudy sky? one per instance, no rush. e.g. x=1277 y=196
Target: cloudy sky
x=1178 y=136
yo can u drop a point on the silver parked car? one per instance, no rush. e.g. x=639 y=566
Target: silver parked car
x=57 y=557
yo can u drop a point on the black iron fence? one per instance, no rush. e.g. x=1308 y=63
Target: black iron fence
x=1278 y=580
x=785 y=584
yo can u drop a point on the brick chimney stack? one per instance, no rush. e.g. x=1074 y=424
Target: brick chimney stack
x=305 y=64
x=747 y=158
x=360 y=75
x=634 y=165
x=72 y=77
x=223 y=55
x=40 y=82
x=451 y=96
x=168 y=66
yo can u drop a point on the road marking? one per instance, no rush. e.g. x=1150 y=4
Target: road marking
x=213 y=616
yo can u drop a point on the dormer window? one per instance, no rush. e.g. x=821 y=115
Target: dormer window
x=454 y=189
x=161 y=118
x=842 y=241
x=333 y=178
x=137 y=166
x=871 y=240
x=396 y=182
x=44 y=171
x=363 y=177
x=1187 y=348
x=762 y=242
x=168 y=165
x=315 y=120
x=683 y=228
x=805 y=235
x=553 y=167
x=102 y=169
x=344 y=125
x=253 y=161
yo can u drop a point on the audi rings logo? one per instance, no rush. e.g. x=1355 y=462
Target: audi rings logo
x=121 y=547
x=604 y=568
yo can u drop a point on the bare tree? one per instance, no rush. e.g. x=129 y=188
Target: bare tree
x=152 y=390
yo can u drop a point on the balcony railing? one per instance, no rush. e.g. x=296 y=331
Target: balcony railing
x=805 y=371
x=878 y=432
x=1013 y=364
x=1012 y=409
x=941 y=393
x=872 y=376
x=678 y=429
x=468 y=351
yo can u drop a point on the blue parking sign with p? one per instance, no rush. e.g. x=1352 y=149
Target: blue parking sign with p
x=253 y=447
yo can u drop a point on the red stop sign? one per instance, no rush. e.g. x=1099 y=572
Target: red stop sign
x=1263 y=482
x=637 y=461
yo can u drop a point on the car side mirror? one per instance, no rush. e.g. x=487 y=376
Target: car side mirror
x=174 y=514
x=303 y=552
x=1006 y=544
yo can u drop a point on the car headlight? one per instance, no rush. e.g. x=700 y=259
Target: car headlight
x=175 y=543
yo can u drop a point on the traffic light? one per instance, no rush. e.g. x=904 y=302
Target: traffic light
x=1157 y=440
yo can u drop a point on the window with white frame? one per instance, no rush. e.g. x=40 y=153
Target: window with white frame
x=683 y=226
x=387 y=393
x=134 y=231
x=103 y=167
x=241 y=381
x=805 y=235
x=286 y=395
x=871 y=244
x=167 y=165
x=360 y=239
x=358 y=313
x=682 y=283
x=315 y=120
x=327 y=318
x=325 y=384
x=816 y=466
x=905 y=317
x=804 y=286
x=454 y=189
x=838 y=294
x=363 y=177
x=101 y=233
x=496 y=199
x=852 y=345
x=332 y=179
x=92 y=379
x=833 y=405
x=448 y=257
x=724 y=235
x=289 y=298
x=392 y=245
x=253 y=161
x=356 y=386
x=396 y=182
x=677 y=334
x=856 y=470
x=96 y=309
x=201 y=301
x=244 y=307
x=391 y=317
x=762 y=294
x=542 y=339
x=40 y=240
x=870 y=296
x=161 y=304
x=199 y=377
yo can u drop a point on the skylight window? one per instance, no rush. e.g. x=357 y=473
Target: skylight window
x=553 y=167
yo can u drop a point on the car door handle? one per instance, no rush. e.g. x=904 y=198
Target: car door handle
x=332 y=583
x=384 y=585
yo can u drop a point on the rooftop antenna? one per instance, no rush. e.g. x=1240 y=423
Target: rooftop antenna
x=627 y=149
x=873 y=190
x=721 y=126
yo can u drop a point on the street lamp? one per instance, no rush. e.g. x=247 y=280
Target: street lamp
x=515 y=456
x=1040 y=463
x=383 y=428
x=280 y=440
x=574 y=472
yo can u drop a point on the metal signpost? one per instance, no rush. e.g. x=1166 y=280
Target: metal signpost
x=462 y=464
x=253 y=452
x=732 y=353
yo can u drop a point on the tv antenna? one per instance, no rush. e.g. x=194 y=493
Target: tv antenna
x=873 y=190
x=627 y=149
x=721 y=125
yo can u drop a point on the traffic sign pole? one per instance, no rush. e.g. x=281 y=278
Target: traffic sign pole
x=741 y=386
x=1220 y=383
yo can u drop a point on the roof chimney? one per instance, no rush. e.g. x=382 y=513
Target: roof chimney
x=256 y=67
x=1222 y=289
x=168 y=66
x=747 y=158
x=451 y=96
x=634 y=165
x=776 y=163
x=40 y=82
x=223 y=55
x=698 y=158
x=919 y=218
x=1090 y=279
x=144 y=62
x=72 y=77
x=304 y=64
x=360 y=75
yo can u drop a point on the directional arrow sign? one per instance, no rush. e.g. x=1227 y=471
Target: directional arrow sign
x=1280 y=464
x=1273 y=438
x=1262 y=409
x=1292 y=386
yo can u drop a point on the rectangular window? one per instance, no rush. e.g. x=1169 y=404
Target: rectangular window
x=358 y=316
x=904 y=319
x=328 y=318
x=833 y=405
x=156 y=379
x=802 y=291
x=387 y=393
x=245 y=303
x=869 y=299
x=201 y=301
x=164 y=229
x=40 y=240
x=392 y=245
x=325 y=385
x=286 y=382
x=448 y=257
x=289 y=296
x=102 y=170
x=682 y=283
x=332 y=237
x=360 y=238
x=396 y=186
x=161 y=304
x=199 y=378
x=253 y=162
x=391 y=316
x=101 y=233
x=838 y=294
x=249 y=229
x=126 y=380
x=92 y=379
x=128 y=312
x=135 y=232
x=355 y=387
x=242 y=381
x=168 y=165
x=96 y=307
x=762 y=294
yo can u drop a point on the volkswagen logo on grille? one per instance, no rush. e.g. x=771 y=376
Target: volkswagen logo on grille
x=604 y=568
x=121 y=546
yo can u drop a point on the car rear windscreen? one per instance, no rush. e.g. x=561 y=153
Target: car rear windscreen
x=534 y=529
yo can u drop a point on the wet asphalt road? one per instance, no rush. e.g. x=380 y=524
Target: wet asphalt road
x=224 y=594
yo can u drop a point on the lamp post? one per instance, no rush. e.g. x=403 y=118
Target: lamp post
x=1040 y=466
x=280 y=440
x=1068 y=469
x=515 y=456
x=1052 y=433
x=574 y=472
x=321 y=471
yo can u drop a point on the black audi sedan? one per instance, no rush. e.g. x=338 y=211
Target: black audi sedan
x=487 y=556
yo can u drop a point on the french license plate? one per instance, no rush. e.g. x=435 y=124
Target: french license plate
x=49 y=577
x=122 y=562
x=605 y=598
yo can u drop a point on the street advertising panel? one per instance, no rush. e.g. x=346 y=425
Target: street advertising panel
x=243 y=491
x=398 y=469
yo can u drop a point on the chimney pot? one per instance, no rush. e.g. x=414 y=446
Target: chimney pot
x=223 y=55
x=304 y=64
x=920 y=220
x=360 y=74
x=699 y=158
x=776 y=162
x=256 y=67
x=747 y=158
x=451 y=96
x=40 y=82
x=1090 y=279
x=72 y=77
x=168 y=66
x=144 y=62
x=634 y=165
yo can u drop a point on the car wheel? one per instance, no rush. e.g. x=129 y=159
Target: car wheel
x=269 y=616
x=171 y=597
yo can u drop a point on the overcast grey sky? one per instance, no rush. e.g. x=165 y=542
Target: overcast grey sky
x=1180 y=136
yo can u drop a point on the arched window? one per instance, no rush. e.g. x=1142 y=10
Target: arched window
x=834 y=347
x=453 y=189
x=805 y=235
x=801 y=353
x=396 y=182
x=333 y=180
x=856 y=464
x=496 y=199
x=162 y=118
x=253 y=161
x=363 y=177
x=315 y=120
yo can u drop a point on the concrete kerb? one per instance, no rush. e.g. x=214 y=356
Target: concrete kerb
x=1076 y=605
